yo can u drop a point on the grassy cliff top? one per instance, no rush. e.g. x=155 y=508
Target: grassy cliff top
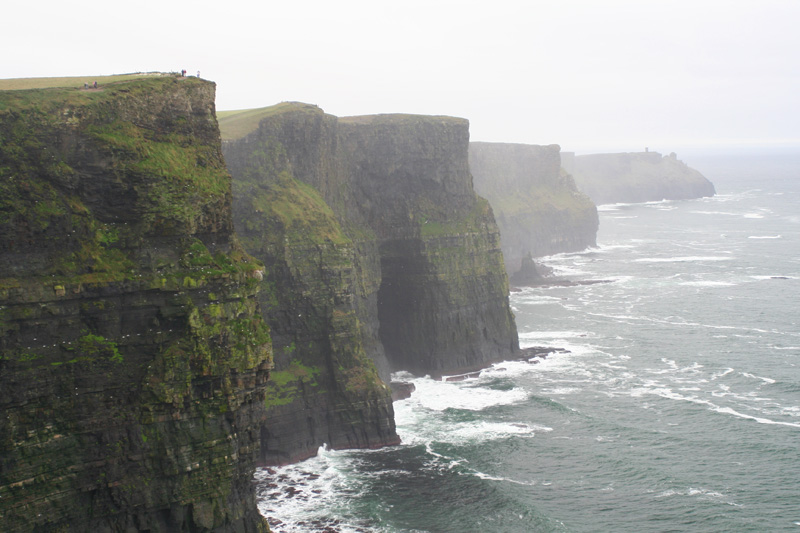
x=16 y=84
x=400 y=118
x=236 y=124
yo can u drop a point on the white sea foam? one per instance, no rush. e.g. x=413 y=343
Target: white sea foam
x=708 y=284
x=752 y=376
x=686 y=259
x=303 y=497
x=760 y=420
x=508 y=480
x=441 y=395
x=765 y=237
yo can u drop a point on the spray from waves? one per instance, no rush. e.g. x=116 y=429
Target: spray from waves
x=314 y=495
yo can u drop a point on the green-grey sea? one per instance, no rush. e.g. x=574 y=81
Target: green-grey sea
x=677 y=407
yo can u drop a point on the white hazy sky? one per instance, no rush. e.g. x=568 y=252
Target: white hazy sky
x=610 y=75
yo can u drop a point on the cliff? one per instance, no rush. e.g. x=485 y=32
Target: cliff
x=371 y=223
x=133 y=359
x=638 y=177
x=538 y=207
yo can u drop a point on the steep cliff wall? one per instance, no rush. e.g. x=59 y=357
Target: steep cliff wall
x=638 y=177
x=133 y=359
x=370 y=224
x=443 y=301
x=538 y=207
x=321 y=287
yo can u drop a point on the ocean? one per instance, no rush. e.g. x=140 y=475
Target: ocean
x=676 y=408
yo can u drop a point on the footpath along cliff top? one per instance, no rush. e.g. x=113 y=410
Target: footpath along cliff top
x=18 y=84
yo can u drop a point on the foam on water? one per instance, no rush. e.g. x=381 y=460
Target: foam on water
x=686 y=259
x=678 y=396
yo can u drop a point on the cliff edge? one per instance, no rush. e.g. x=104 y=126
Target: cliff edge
x=638 y=177
x=371 y=225
x=133 y=359
x=538 y=207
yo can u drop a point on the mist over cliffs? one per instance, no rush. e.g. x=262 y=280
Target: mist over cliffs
x=373 y=223
x=133 y=360
x=537 y=206
x=636 y=177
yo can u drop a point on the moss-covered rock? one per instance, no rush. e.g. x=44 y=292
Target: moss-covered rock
x=133 y=358
x=379 y=256
x=325 y=388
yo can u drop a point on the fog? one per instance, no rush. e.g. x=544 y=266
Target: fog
x=590 y=76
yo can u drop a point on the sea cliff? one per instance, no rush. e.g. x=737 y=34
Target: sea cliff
x=538 y=207
x=638 y=177
x=133 y=358
x=372 y=223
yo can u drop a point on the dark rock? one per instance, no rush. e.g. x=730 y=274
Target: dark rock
x=379 y=257
x=401 y=390
x=133 y=359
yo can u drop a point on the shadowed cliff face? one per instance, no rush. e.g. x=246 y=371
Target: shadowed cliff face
x=638 y=177
x=133 y=360
x=379 y=251
x=538 y=207
x=319 y=291
x=443 y=301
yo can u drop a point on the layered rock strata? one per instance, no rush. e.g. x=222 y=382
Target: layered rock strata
x=638 y=177
x=133 y=359
x=538 y=207
x=371 y=223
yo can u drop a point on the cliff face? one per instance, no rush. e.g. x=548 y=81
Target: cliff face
x=538 y=207
x=320 y=291
x=133 y=360
x=372 y=223
x=638 y=177
x=443 y=300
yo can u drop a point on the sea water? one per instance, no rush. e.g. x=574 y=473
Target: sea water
x=677 y=407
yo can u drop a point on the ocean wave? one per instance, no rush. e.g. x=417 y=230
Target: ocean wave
x=708 y=284
x=760 y=420
x=437 y=395
x=684 y=259
x=765 y=237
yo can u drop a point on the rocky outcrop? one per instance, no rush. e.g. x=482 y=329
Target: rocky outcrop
x=370 y=224
x=133 y=359
x=538 y=207
x=638 y=177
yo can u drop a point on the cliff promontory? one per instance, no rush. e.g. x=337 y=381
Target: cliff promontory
x=638 y=177
x=379 y=257
x=133 y=359
x=538 y=207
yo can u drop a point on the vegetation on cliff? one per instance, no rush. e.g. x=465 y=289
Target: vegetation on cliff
x=538 y=207
x=325 y=389
x=132 y=355
x=378 y=254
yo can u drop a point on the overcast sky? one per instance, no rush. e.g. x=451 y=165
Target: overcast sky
x=606 y=75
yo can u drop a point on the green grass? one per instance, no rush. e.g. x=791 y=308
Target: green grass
x=237 y=124
x=17 y=84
